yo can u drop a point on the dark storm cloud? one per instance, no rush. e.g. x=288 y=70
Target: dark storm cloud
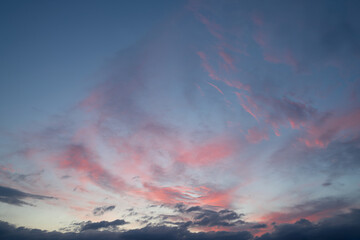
x=15 y=197
x=101 y=210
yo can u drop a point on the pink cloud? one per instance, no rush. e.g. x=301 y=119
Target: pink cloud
x=219 y=198
x=213 y=75
x=213 y=229
x=281 y=56
x=237 y=84
x=285 y=111
x=207 y=67
x=166 y=195
x=256 y=135
x=272 y=53
x=217 y=88
x=212 y=27
x=187 y=195
x=82 y=160
x=331 y=128
x=207 y=153
x=275 y=128
x=245 y=106
x=228 y=59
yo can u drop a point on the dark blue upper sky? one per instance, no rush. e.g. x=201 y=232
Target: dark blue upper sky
x=50 y=50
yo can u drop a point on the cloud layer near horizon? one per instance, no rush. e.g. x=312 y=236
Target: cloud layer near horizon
x=344 y=226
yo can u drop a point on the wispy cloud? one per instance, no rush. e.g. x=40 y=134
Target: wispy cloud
x=16 y=197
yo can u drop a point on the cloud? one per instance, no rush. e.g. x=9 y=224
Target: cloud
x=227 y=58
x=256 y=135
x=187 y=195
x=216 y=87
x=212 y=27
x=260 y=225
x=30 y=178
x=343 y=226
x=246 y=106
x=168 y=233
x=8 y=231
x=313 y=210
x=222 y=218
x=277 y=111
x=205 y=63
x=209 y=152
x=81 y=159
x=339 y=159
x=101 y=210
x=15 y=197
x=102 y=224
x=330 y=127
x=143 y=127
x=285 y=110
x=196 y=208
x=206 y=219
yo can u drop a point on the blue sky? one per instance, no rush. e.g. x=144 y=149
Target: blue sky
x=50 y=51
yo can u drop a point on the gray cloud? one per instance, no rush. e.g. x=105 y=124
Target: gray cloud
x=102 y=224
x=101 y=210
x=260 y=225
x=207 y=218
x=29 y=178
x=15 y=197
x=225 y=218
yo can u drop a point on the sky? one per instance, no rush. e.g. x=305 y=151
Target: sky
x=180 y=119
